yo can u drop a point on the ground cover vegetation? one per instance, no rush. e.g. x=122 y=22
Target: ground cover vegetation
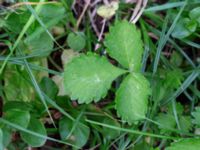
x=99 y=74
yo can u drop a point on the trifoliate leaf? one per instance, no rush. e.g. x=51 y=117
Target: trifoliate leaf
x=88 y=77
x=107 y=11
x=185 y=144
x=125 y=45
x=196 y=115
x=131 y=98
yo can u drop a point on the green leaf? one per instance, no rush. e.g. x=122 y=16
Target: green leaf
x=17 y=105
x=196 y=115
x=181 y=31
x=110 y=134
x=195 y=14
x=36 y=126
x=21 y=18
x=185 y=123
x=17 y=80
x=49 y=87
x=125 y=45
x=176 y=59
x=185 y=144
x=76 y=41
x=40 y=42
x=131 y=98
x=78 y=137
x=166 y=122
x=7 y=136
x=173 y=79
x=19 y=117
x=89 y=77
x=1 y=140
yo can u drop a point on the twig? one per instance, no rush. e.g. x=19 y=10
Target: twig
x=31 y=3
x=92 y=22
x=82 y=14
x=101 y=34
x=141 y=11
x=136 y=10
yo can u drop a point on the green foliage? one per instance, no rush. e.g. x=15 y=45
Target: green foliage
x=1 y=139
x=37 y=126
x=76 y=41
x=77 y=136
x=110 y=134
x=131 y=98
x=49 y=87
x=88 y=77
x=185 y=144
x=17 y=116
x=196 y=115
x=138 y=89
x=125 y=45
x=182 y=28
x=195 y=14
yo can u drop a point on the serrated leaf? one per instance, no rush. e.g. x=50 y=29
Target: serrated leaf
x=88 y=77
x=185 y=123
x=166 y=122
x=125 y=45
x=131 y=98
x=185 y=144
x=36 y=126
x=196 y=115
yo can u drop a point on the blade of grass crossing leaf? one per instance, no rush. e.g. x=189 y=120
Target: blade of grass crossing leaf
x=34 y=133
x=175 y=114
x=182 y=52
x=170 y=129
x=50 y=101
x=183 y=86
x=75 y=124
x=34 y=13
x=155 y=31
x=163 y=40
x=131 y=131
x=36 y=67
x=37 y=88
x=146 y=47
x=190 y=43
x=195 y=91
x=25 y=28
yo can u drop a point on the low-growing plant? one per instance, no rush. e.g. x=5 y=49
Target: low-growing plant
x=88 y=77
